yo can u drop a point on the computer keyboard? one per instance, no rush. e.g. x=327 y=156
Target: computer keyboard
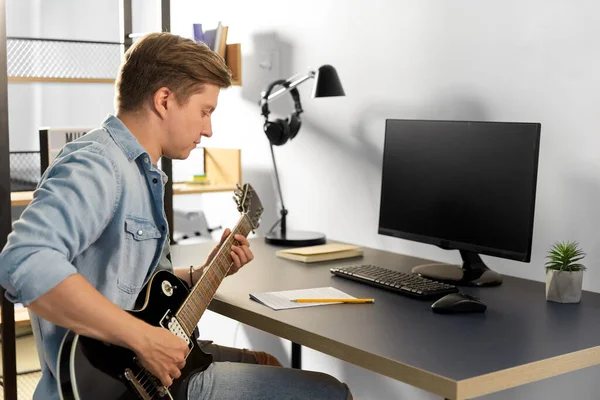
x=399 y=282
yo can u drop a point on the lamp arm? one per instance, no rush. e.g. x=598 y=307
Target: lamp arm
x=290 y=84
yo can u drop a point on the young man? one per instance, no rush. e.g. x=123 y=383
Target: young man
x=96 y=231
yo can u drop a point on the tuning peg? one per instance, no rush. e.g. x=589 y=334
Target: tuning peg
x=237 y=185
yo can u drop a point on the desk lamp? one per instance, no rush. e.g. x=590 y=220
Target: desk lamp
x=327 y=84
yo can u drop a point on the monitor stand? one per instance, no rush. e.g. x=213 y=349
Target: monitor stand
x=473 y=272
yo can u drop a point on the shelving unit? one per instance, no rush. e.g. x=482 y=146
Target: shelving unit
x=77 y=61
x=43 y=60
x=80 y=61
x=223 y=169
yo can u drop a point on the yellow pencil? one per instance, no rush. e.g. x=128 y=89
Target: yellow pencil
x=334 y=300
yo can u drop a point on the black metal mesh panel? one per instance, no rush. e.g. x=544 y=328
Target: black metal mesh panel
x=28 y=58
x=24 y=170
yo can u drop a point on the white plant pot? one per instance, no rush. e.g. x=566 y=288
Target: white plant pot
x=563 y=286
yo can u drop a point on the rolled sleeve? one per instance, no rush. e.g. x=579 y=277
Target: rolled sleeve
x=37 y=274
x=70 y=209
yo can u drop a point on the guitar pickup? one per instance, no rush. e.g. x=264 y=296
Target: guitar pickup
x=171 y=323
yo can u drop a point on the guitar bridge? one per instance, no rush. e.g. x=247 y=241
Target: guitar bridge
x=171 y=323
x=151 y=383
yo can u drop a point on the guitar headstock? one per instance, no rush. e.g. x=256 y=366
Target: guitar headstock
x=248 y=203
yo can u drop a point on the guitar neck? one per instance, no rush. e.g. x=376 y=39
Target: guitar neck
x=204 y=290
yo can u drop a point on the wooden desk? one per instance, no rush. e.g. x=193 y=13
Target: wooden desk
x=520 y=339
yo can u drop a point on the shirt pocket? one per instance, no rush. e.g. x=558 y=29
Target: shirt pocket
x=141 y=244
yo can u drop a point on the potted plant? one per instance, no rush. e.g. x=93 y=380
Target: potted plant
x=564 y=272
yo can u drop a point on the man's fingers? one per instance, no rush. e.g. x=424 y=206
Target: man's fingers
x=241 y=254
x=226 y=233
x=166 y=380
x=236 y=259
x=175 y=373
x=242 y=240
x=248 y=253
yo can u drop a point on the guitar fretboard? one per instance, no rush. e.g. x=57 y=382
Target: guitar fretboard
x=204 y=290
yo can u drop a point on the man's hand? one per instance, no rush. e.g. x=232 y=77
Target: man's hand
x=241 y=253
x=162 y=353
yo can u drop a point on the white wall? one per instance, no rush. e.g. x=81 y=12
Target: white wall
x=504 y=61
x=493 y=61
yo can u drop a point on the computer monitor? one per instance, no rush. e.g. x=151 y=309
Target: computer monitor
x=462 y=185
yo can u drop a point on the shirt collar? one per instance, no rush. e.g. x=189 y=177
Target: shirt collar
x=123 y=137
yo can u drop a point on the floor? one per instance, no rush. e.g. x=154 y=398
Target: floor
x=28 y=364
x=26 y=384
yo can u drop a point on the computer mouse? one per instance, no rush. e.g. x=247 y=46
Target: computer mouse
x=458 y=303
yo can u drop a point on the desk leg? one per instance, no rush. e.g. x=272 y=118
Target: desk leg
x=296 y=356
x=9 y=356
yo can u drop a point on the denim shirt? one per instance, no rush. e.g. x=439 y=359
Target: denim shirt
x=97 y=211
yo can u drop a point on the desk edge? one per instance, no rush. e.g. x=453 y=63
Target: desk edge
x=528 y=373
x=405 y=373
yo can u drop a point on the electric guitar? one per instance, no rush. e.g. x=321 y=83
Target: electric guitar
x=91 y=369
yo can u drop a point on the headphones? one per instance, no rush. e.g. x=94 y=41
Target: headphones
x=281 y=130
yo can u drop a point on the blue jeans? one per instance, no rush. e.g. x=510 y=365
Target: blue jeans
x=234 y=376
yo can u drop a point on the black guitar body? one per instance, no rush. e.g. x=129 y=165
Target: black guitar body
x=91 y=369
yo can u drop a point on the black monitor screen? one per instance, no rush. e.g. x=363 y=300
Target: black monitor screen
x=461 y=185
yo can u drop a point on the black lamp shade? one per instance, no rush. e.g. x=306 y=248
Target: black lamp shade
x=327 y=83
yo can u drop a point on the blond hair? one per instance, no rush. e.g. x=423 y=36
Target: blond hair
x=166 y=60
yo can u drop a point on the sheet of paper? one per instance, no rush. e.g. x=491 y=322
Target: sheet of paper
x=282 y=300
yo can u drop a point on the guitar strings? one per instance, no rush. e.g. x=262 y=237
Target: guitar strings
x=241 y=225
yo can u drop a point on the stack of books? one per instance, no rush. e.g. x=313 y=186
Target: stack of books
x=216 y=39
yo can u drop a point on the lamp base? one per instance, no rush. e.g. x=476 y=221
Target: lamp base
x=295 y=238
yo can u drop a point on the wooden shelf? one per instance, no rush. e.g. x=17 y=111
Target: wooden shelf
x=194 y=188
x=19 y=79
x=20 y=198
x=223 y=168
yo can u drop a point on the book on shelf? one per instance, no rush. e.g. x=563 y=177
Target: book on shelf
x=323 y=252
x=222 y=42
x=198 y=33
x=215 y=39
